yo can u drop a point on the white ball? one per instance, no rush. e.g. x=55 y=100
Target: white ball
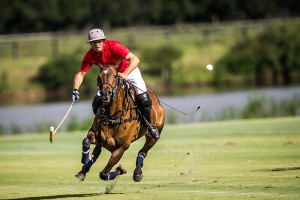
x=209 y=67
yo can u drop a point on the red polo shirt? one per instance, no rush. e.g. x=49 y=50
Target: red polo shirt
x=112 y=52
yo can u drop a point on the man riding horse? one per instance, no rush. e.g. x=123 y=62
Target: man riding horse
x=107 y=52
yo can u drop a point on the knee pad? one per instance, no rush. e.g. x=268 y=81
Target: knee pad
x=95 y=104
x=144 y=100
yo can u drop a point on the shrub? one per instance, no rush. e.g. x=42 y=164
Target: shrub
x=159 y=60
x=271 y=58
x=58 y=74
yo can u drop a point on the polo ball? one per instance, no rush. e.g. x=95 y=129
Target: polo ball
x=209 y=67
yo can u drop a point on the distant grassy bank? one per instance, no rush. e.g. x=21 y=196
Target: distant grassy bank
x=247 y=159
x=197 y=53
x=201 y=44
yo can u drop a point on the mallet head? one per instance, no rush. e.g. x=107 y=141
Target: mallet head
x=51 y=134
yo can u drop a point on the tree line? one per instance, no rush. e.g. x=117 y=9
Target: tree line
x=59 y=15
x=271 y=58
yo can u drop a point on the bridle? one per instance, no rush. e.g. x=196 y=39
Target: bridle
x=110 y=86
x=108 y=93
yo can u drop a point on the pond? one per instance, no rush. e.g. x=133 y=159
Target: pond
x=29 y=117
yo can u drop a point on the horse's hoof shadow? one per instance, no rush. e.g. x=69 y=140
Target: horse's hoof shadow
x=80 y=175
x=138 y=175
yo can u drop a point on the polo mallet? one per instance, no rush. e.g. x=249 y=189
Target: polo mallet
x=52 y=131
x=187 y=114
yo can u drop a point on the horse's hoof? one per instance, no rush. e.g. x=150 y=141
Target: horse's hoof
x=137 y=175
x=120 y=170
x=80 y=175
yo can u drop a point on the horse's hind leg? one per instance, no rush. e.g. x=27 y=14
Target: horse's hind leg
x=138 y=173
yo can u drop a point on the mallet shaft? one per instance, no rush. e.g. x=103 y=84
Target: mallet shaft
x=52 y=131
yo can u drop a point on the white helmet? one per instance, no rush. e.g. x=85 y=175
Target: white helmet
x=96 y=34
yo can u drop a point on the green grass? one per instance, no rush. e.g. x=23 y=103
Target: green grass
x=251 y=159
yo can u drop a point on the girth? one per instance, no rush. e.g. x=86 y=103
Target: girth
x=113 y=122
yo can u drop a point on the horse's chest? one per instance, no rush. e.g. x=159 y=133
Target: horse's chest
x=111 y=141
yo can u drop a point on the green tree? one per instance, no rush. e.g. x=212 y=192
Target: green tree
x=57 y=15
x=58 y=73
x=270 y=58
x=159 y=61
x=4 y=84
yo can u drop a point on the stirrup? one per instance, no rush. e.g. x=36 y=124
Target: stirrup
x=153 y=131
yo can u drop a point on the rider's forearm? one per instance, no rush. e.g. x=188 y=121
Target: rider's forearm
x=133 y=63
x=78 y=80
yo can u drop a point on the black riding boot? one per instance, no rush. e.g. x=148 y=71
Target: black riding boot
x=145 y=104
x=95 y=104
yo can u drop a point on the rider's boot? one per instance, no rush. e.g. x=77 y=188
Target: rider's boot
x=96 y=102
x=145 y=104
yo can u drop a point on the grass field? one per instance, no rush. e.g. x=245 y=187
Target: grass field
x=253 y=159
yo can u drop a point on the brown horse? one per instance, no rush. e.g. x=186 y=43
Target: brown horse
x=118 y=122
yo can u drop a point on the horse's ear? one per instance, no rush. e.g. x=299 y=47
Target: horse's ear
x=100 y=66
x=116 y=65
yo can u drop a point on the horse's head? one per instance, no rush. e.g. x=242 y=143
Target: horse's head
x=108 y=80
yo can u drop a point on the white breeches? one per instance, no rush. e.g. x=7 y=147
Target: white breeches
x=135 y=77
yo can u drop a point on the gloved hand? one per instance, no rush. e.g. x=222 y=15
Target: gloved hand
x=75 y=95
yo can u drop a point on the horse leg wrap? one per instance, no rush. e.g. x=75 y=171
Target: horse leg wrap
x=140 y=159
x=86 y=143
x=138 y=173
x=86 y=167
x=112 y=175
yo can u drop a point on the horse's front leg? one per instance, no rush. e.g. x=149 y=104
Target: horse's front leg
x=106 y=173
x=88 y=160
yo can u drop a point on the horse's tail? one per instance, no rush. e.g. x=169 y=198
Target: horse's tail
x=158 y=110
